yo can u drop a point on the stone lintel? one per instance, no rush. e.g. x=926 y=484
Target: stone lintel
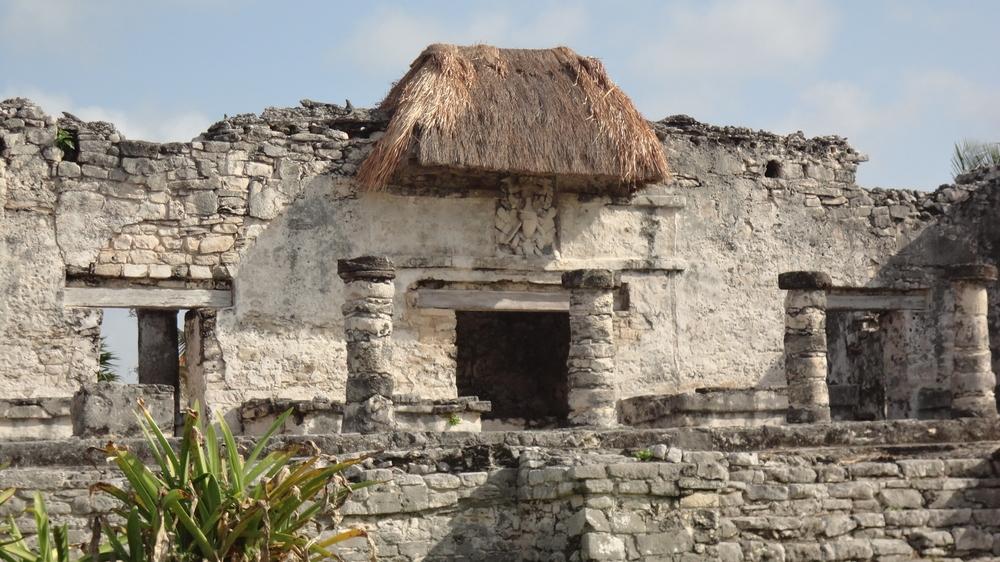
x=597 y=279
x=973 y=272
x=804 y=281
x=376 y=268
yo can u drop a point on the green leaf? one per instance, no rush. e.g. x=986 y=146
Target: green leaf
x=42 y=528
x=172 y=502
x=62 y=543
x=235 y=462
x=117 y=547
x=264 y=439
x=133 y=531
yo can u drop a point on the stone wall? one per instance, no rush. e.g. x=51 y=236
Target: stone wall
x=264 y=206
x=860 y=491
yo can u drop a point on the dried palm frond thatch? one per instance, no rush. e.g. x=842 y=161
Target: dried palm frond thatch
x=520 y=111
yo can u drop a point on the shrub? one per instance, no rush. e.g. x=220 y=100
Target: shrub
x=209 y=502
x=52 y=542
x=204 y=501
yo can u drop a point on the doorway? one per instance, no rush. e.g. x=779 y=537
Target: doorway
x=517 y=361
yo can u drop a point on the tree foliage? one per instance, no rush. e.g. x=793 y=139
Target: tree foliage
x=107 y=360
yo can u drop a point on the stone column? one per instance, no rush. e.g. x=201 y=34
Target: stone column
x=591 y=361
x=805 y=345
x=972 y=378
x=368 y=294
x=158 y=359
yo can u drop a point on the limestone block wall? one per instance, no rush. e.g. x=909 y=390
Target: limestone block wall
x=759 y=204
x=264 y=205
x=45 y=350
x=853 y=492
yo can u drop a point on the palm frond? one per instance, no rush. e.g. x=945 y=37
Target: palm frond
x=970 y=155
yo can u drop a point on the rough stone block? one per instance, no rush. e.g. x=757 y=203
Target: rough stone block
x=804 y=280
x=901 y=499
x=589 y=279
x=674 y=542
x=602 y=546
x=106 y=409
x=972 y=538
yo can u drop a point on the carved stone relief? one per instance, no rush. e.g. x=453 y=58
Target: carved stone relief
x=526 y=218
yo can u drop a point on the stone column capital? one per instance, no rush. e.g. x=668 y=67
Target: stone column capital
x=371 y=268
x=982 y=272
x=594 y=279
x=804 y=281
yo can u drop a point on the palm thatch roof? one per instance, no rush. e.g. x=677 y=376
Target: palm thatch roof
x=547 y=112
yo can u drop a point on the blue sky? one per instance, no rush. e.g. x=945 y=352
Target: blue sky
x=902 y=79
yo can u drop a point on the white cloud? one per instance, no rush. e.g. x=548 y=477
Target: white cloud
x=39 y=24
x=930 y=96
x=138 y=125
x=730 y=39
x=698 y=57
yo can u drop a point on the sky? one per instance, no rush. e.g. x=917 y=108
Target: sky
x=903 y=80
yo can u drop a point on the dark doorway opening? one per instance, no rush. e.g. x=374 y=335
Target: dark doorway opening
x=859 y=350
x=516 y=360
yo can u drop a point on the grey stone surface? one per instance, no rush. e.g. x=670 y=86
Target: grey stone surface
x=806 y=350
x=973 y=380
x=231 y=204
x=367 y=310
x=804 y=280
x=542 y=503
x=107 y=409
x=592 y=392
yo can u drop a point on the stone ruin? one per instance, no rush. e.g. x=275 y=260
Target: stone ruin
x=750 y=358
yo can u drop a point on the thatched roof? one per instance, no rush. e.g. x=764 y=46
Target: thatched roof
x=546 y=112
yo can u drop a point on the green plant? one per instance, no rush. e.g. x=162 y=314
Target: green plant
x=454 y=419
x=106 y=361
x=971 y=155
x=643 y=455
x=207 y=501
x=182 y=370
x=52 y=542
x=65 y=140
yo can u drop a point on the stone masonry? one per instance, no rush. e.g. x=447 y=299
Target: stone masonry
x=592 y=391
x=890 y=491
x=806 y=345
x=696 y=256
x=367 y=311
x=972 y=380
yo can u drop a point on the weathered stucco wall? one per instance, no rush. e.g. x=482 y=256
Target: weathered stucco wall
x=265 y=204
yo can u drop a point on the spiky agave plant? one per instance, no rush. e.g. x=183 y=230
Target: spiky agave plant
x=207 y=501
x=52 y=543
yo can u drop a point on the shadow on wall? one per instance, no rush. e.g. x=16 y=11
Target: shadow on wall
x=916 y=346
x=499 y=523
x=284 y=279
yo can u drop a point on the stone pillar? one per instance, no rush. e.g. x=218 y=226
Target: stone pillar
x=158 y=359
x=368 y=294
x=591 y=361
x=805 y=345
x=972 y=378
